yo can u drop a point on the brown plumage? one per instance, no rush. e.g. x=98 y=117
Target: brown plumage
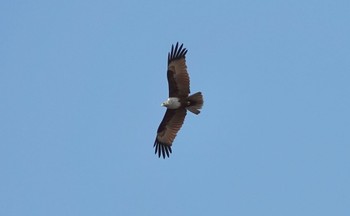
x=178 y=103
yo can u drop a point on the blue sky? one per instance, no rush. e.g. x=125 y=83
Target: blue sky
x=81 y=84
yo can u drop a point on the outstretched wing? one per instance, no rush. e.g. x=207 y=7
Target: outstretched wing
x=178 y=79
x=167 y=130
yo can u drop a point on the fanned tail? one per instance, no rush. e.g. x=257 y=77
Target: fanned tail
x=196 y=103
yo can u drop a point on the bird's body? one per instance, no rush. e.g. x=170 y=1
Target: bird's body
x=178 y=103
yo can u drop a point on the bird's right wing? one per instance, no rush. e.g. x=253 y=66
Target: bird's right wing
x=167 y=130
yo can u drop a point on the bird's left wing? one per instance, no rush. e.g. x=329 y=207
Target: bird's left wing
x=178 y=78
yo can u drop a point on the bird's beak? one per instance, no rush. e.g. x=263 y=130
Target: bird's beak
x=162 y=104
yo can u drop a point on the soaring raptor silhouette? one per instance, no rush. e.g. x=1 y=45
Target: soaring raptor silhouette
x=178 y=103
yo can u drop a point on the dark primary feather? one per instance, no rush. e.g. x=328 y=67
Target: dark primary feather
x=176 y=53
x=162 y=149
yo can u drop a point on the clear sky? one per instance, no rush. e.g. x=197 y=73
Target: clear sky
x=81 y=83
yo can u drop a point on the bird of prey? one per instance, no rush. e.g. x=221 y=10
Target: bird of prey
x=178 y=103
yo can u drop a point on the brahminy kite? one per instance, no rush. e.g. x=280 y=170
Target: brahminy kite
x=178 y=103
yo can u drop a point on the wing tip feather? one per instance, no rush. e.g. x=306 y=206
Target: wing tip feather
x=177 y=52
x=162 y=149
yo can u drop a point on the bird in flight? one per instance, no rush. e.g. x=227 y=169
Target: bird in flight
x=178 y=103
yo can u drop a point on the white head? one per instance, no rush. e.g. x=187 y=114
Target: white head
x=165 y=103
x=171 y=103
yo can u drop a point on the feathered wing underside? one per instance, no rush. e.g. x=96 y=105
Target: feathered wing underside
x=167 y=130
x=178 y=79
